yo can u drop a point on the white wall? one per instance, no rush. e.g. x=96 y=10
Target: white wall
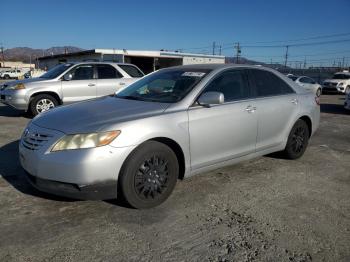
x=188 y=60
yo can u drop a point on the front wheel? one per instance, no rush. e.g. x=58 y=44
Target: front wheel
x=347 y=90
x=297 y=140
x=149 y=175
x=42 y=103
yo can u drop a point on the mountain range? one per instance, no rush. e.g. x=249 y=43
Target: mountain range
x=25 y=54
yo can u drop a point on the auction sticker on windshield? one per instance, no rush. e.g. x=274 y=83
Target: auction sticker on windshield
x=195 y=74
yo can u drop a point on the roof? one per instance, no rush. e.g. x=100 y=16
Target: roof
x=146 y=53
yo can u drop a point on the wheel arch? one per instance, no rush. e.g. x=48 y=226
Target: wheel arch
x=177 y=150
x=308 y=121
x=51 y=93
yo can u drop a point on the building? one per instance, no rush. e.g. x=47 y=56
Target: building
x=148 y=61
x=15 y=65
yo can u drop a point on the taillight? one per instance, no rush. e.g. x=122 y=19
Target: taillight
x=317 y=100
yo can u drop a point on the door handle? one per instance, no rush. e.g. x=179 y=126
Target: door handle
x=122 y=83
x=91 y=84
x=294 y=101
x=250 y=109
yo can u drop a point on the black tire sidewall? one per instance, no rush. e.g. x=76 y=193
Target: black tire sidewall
x=36 y=99
x=289 y=153
x=132 y=164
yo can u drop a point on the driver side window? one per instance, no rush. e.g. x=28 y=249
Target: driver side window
x=232 y=84
x=82 y=72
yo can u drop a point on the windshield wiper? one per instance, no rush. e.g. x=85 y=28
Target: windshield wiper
x=130 y=97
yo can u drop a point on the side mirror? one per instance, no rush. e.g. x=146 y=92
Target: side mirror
x=67 y=77
x=211 y=98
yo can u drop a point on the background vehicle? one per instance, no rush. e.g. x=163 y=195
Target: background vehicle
x=11 y=74
x=171 y=124
x=340 y=83
x=34 y=73
x=307 y=83
x=68 y=83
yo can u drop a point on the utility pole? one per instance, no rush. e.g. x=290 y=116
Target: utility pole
x=343 y=62
x=220 y=50
x=238 y=52
x=214 y=46
x=2 y=56
x=305 y=63
x=286 y=56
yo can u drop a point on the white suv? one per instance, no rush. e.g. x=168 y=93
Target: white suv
x=340 y=82
x=8 y=74
x=68 y=83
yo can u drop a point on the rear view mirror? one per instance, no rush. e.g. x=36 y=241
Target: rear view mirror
x=67 y=77
x=211 y=98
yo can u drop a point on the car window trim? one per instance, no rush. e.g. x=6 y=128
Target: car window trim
x=250 y=74
x=244 y=69
x=73 y=67
x=116 y=69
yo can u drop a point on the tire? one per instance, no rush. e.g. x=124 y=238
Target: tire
x=6 y=77
x=44 y=101
x=347 y=90
x=143 y=183
x=298 y=140
x=318 y=92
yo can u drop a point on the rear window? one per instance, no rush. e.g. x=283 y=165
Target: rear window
x=268 y=84
x=132 y=70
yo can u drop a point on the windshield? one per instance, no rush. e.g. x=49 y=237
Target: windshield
x=56 y=71
x=341 y=76
x=168 y=86
x=293 y=77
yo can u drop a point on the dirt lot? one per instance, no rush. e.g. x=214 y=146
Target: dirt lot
x=267 y=209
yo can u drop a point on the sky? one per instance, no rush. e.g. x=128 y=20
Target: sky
x=191 y=26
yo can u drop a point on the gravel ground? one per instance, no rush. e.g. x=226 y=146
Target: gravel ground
x=267 y=209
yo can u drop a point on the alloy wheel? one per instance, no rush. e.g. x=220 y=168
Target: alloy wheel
x=44 y=105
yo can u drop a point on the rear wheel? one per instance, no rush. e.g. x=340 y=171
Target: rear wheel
x=149 y=175
x=297 y=140
x=7 y=77
x=42 y=103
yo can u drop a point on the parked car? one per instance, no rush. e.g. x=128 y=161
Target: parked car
x=307 y=83
x=171 y=124
x=68 y=83
x=347 y=101
x=11 y=74
x=339 y=83
x=34 y=73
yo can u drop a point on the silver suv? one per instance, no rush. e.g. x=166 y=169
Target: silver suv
x=68 y=83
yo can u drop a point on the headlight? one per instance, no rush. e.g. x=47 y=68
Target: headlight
x=79 y=141
x=340 y=84
x=17 y=87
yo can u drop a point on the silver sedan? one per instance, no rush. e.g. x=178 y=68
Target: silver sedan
x=169 y=125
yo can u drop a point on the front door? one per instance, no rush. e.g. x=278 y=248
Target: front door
x=82 y=85
x=226 y=131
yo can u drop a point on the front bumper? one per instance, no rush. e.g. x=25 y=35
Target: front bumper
x=14 y=98
x=100 y=191
x=72 y=173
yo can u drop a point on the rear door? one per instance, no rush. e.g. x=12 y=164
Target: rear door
x=109 y=79
x=225 y=131
x=82 y=86
x=276 y=106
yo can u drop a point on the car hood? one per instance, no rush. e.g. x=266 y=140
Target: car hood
x=97 y=114
x=24 y=81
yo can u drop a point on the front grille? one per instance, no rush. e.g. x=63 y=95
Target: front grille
x=34 y=140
